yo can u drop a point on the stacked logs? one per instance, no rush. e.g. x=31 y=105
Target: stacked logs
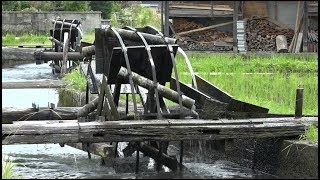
x=202 y=40
x=261 y=34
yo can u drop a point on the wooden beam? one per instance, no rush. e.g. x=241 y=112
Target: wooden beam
x=164 y=91
x=235 y=19
x=199 y=7
x=149 y=130
x=298 y=44
x=203 y=29
x=166 y=19
x=276 y=10
x=305 y=26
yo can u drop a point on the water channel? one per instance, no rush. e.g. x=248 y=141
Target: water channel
x=53 y=161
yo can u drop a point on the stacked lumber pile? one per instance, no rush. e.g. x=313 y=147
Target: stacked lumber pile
x=205 y=40
x=261 y=34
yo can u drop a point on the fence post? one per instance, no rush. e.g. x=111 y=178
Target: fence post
x=299 y=102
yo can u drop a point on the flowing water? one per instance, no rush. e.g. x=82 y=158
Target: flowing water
x=53 y=161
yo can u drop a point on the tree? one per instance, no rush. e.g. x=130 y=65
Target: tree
x=106 y=7
x=76 y=5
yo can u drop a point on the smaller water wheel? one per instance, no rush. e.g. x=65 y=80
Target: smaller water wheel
x=65 y=37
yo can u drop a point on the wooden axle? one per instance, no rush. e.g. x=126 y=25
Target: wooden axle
x=164 y=91
x=75 y=56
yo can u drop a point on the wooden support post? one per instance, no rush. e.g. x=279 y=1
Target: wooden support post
x=87 y=93
x=181 y=155
x=159 y=164
x=166 y=20
x=275 y=10
x=162 y=14
x=235 y=19
x=127 y=104
x=65 y=53
x=299 y=103
x=137 y=158
x=305 y=26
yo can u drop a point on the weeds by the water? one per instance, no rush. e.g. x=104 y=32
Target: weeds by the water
x=7 y=166
x=75 y=80
x=311 y=134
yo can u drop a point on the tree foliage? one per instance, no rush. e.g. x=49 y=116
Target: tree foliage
x=45 y=5
x=106 y=7
x=76 y=5
x=136 y=16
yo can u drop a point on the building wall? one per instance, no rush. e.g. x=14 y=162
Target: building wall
x=25 y=22
x=287 y=11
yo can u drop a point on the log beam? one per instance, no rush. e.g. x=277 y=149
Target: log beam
x=151 y=130
x=164 y=91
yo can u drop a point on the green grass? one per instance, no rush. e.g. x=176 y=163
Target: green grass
x=89 y=36
x=35 y=39
x=210 y=62
x=7 y=166
x=311 y=134
x=274 y=91
x=75 y=80
x=25 y=39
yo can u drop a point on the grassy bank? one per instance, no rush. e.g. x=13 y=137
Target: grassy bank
x=275 y=86
x=36 y=39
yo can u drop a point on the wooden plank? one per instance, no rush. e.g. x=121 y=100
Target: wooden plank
x=33 y=84
x=299 y=42
x=198 y=13
x=169 y=130
x=198 y=96
x=199 y=7
x=234 y=26
x=203 y=29
x=10 y=114
x=237 y=105
x=212 y=90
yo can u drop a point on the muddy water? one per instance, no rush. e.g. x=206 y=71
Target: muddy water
x=53 y=161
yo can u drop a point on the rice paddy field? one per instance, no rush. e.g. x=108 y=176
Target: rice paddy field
x=270 y=82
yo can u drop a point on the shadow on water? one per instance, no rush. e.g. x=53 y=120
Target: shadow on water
x=52 y=161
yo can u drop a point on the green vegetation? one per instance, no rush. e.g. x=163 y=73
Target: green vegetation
x=136 y=16
x=38 y=39
x=25 y=39
x=311 y=134
x=33 y=6
x=7 y=166
x=275 y=91
x=75 y=80
x=106 y=7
